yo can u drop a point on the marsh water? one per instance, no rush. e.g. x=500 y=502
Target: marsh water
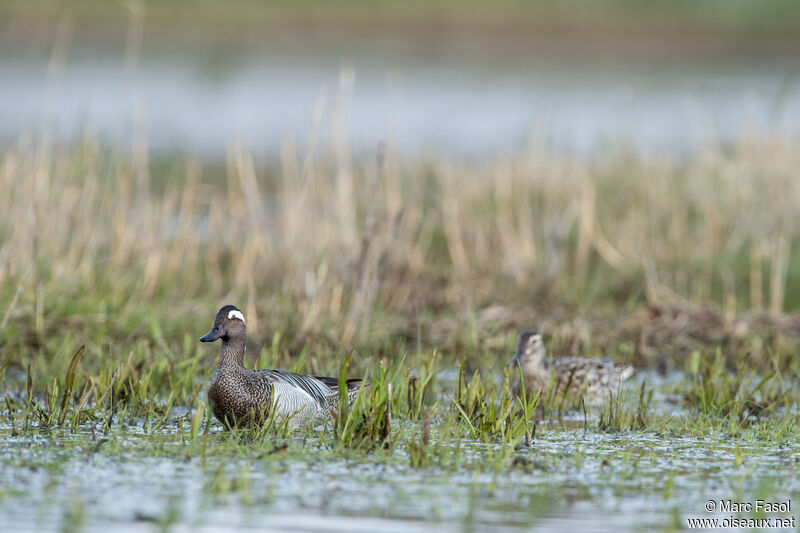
x=569 y=476
x=458 y=96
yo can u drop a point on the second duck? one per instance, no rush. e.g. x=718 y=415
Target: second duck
x=594 y=379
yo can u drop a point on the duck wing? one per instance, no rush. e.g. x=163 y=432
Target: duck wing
x=316 y=388
x=352 y=384
x=577 y=372
x=624 y=372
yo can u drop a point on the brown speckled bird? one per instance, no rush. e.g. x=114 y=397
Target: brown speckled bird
x=241 y=397
x=594 y=379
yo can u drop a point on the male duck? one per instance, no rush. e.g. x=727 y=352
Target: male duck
x=594 y=379
x=242 y=397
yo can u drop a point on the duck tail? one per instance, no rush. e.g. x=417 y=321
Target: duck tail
x=355 y=384
x=625 y=372
x=354 y=387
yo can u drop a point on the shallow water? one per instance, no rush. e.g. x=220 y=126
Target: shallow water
x=569 y=478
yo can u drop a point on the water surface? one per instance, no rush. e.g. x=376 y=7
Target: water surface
x=569 y=478
x=462 y=97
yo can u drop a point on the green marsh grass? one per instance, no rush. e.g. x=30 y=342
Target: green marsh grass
x=740 y=395
x=619 y=415
x=478 y=428
x=366 y=422
x=491 y=410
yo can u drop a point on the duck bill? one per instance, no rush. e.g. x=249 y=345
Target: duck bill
x=211 y=336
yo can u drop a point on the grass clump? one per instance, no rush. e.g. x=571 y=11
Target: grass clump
x=491 y=411
x=617 y=415
x=739 y=395
x=367 y=421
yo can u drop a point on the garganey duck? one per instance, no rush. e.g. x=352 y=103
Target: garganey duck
x=594 y=379
x=242 y=397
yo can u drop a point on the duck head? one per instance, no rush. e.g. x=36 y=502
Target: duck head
x=530 y=350
x=228 y=324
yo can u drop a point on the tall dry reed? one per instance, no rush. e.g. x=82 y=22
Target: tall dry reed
x=348 y=248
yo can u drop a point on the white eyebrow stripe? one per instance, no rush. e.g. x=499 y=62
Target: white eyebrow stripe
x=236 y=314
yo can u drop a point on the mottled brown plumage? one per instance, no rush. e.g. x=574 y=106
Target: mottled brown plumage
x=248 y=397
x=594 y=379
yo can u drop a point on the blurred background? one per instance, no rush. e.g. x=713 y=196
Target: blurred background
x=446 y=78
